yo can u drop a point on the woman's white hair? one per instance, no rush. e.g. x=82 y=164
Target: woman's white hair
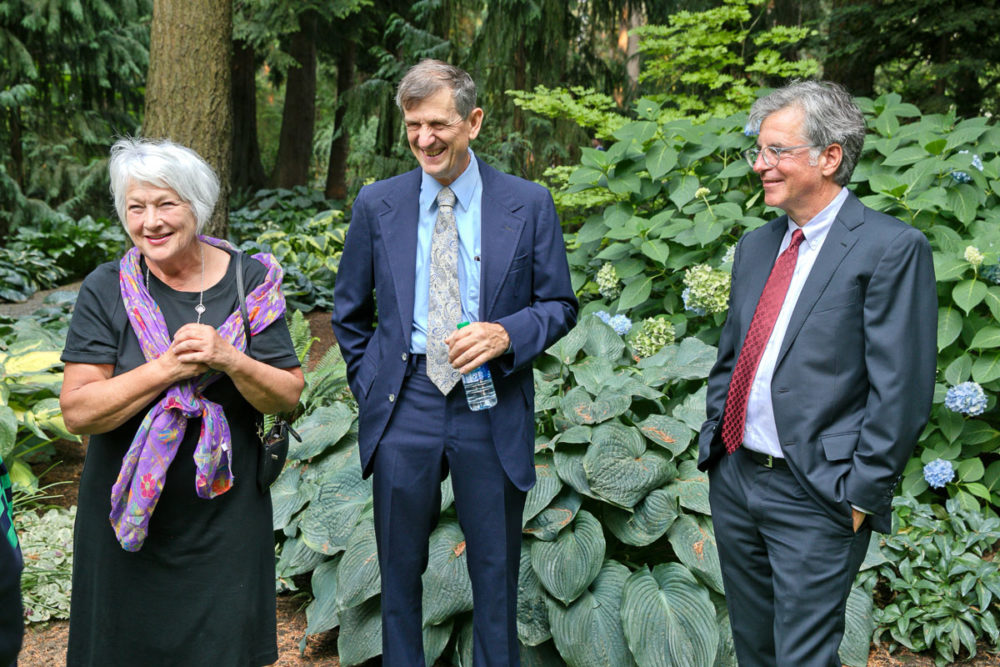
x=163 y=164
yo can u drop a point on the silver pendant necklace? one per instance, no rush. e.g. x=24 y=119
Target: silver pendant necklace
x=200 y=308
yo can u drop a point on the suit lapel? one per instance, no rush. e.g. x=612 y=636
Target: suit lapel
x=398 y=222
x=501 y=229
x=839 y=241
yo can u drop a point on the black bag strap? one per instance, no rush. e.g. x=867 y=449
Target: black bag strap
x=241 y=292
x=280 y=423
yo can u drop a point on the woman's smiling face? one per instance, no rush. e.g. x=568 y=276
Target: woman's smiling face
x=161 y=224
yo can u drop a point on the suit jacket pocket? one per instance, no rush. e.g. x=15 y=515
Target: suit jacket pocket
x=519 y=262
x=837 y=300
x=839 y=446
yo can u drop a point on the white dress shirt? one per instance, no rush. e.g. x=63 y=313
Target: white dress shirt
x=761 y=434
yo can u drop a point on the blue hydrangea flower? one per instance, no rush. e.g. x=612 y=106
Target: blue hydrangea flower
x=977 y=162
x=991 y=273
x=686 y=295
x=751 y=130
x=938 y=473
x=621 y=324
x=960 y=177
x=603 y=316
x=967 y=398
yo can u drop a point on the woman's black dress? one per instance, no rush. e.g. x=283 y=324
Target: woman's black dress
x=201 y=590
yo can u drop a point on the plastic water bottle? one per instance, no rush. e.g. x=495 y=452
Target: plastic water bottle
x=478 y=385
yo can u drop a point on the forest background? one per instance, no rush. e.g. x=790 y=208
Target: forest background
x=633 y=113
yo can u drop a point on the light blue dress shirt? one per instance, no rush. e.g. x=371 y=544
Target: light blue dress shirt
x=468 y=189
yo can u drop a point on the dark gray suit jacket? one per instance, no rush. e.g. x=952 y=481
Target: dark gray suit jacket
x=854 y=378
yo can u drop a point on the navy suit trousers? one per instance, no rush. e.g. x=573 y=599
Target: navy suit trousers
x=787 y=564
x=428 y=435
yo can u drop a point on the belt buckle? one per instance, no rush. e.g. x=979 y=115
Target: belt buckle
x=769 y=461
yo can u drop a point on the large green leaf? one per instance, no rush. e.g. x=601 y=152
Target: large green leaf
x=297 y=558
x=666 y=432
x=447 y=587
x=329 y=520
x=567 y=347
x=635 y=293
x=8 y=430
x=647 y=522
x=668 y=618
x=569 y=465
x=692 y=410
x=319 y=430
x=592 y=373
x=690 y=360
x=968 y=293
x=559 y=514
x=360 y=637
x=589 y=632
x=579 y=408
x=543 y=655
x=47 y=415
x=547 y=486
x=858 y=628
x=358 y=575
x=620 y=469
x=436 y=640
x=660 y=159
x=691 y=487
x=602 y=341
x=288 y=495
x=948 y=328
x=986 y=367
x=568 y=564
x=694 y=543
x=532 y=614
x=726 y=654
x=987 y=337
x=321 y=614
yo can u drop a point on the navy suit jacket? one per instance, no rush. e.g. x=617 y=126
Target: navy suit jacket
x=524 y=286
x=854 y=378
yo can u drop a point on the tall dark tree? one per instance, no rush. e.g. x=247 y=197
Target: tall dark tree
x=298 y=117
x=188 y=89
x=340 y=146
x=248 y=171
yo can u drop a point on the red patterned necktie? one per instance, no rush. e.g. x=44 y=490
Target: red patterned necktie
x=771 y=299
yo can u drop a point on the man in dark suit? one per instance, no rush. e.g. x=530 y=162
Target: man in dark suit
x=453 y=240
x=822 y=385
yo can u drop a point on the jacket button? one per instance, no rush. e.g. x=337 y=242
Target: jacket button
x=392 y=397
x=404 y=356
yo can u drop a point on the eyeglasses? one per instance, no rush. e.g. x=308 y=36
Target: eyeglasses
x=771 y=154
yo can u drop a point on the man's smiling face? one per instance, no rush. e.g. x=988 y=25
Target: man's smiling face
x=439 y=137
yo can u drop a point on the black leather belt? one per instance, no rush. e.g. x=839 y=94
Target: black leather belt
x=767 y=460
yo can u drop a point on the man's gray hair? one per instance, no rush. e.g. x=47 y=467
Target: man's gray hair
x=429 y=76
x=830 y=116
x=163 y=164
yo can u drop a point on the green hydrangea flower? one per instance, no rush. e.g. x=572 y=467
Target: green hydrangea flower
x=706 y=290
x=608 y=283
x=973 y=256
x=654 y=334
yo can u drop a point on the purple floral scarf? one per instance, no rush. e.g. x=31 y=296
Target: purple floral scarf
x=144 y=467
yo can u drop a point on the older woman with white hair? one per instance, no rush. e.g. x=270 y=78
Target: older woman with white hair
x=174 y=553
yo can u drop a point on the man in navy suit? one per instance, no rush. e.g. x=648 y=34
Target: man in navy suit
x=514 y=286
x=822 y=385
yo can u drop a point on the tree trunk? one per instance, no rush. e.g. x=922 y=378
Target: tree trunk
x=336 y=174
x=299 y=113
x=188 y=96
x=248 y=172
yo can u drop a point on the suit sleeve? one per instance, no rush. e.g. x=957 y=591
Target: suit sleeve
x=553 y=307
x=354 y=302
x=900 y=321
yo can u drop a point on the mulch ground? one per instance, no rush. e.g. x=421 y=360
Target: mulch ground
x=45 y=644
